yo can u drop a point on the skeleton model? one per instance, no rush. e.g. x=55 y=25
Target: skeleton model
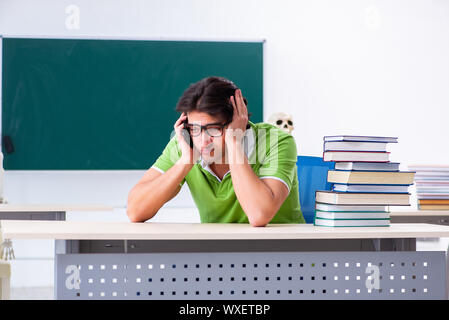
x=282 y=120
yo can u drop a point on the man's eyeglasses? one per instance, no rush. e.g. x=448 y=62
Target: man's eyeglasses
x=213 y=130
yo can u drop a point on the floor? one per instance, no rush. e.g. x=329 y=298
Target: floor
x=32 y=293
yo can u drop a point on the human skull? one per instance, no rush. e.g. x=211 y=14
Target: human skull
x=282 y=120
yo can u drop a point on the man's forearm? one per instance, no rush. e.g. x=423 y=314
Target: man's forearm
x=254 y=196
x=146 y=198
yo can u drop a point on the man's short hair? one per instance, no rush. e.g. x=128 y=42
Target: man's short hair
x=210 y=95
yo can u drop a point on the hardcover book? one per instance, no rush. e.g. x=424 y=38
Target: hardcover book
x=352 y=223
x=384 y=199
x=345 y=208
x=371 y=177
x=370 y=188
x=361 y=138
x=367 y=166
x=360 y=156
x=354 y=146
x=351 y=215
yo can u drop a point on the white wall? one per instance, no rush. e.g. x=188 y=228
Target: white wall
x=339 y=67
x=361 y=67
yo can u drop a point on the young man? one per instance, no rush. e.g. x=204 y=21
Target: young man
x=237 y=171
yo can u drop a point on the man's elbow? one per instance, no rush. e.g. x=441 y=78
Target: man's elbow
x=134 y=210
x=260 y=220
x=136 y=215
x=133 y=216
x=258 y=223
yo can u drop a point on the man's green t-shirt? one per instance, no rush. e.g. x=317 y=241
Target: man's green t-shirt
x=271 y=153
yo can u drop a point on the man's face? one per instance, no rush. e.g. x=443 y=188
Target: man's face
x=211 y=147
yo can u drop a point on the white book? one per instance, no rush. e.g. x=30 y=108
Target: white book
x=432 y=189
x=442 y=196
x=351 y=215
x=356 y=156
x=370 y=188
x=428 y=168
x=352 y=223
x=364 y=199
x=354 y=146
x=361 y=138
x=432 y=174
x=337 y=208
x=431 y=179
x=367 y=166
x=432 y=183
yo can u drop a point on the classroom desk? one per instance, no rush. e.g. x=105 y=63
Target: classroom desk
x=237 y=261
x=58 y=212
x=44 y=211
x=420 y=216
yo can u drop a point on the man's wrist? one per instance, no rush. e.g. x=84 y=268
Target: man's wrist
x=185 y=163
x=236 y=153
x=233 y=142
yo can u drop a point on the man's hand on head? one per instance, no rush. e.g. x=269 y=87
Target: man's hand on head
x=235 y=131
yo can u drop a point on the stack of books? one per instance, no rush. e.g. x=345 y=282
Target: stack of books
x=432 y=186
x=365 y=183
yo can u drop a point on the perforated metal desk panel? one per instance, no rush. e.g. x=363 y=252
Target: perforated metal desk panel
x=239 y=269
x=252 y=275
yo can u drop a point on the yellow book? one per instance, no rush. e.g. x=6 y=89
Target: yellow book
x=433 y=201
x=434 y=206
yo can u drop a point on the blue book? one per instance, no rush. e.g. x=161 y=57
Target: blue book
x=367 y=166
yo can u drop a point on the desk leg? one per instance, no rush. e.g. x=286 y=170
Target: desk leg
x=447 y=273
x=66 y=246
x=405 y=244
x=63 y=247
x=376 y=244
x=402 y=244
x=5 y=289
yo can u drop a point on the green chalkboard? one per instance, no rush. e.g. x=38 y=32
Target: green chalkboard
x=83 y=104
